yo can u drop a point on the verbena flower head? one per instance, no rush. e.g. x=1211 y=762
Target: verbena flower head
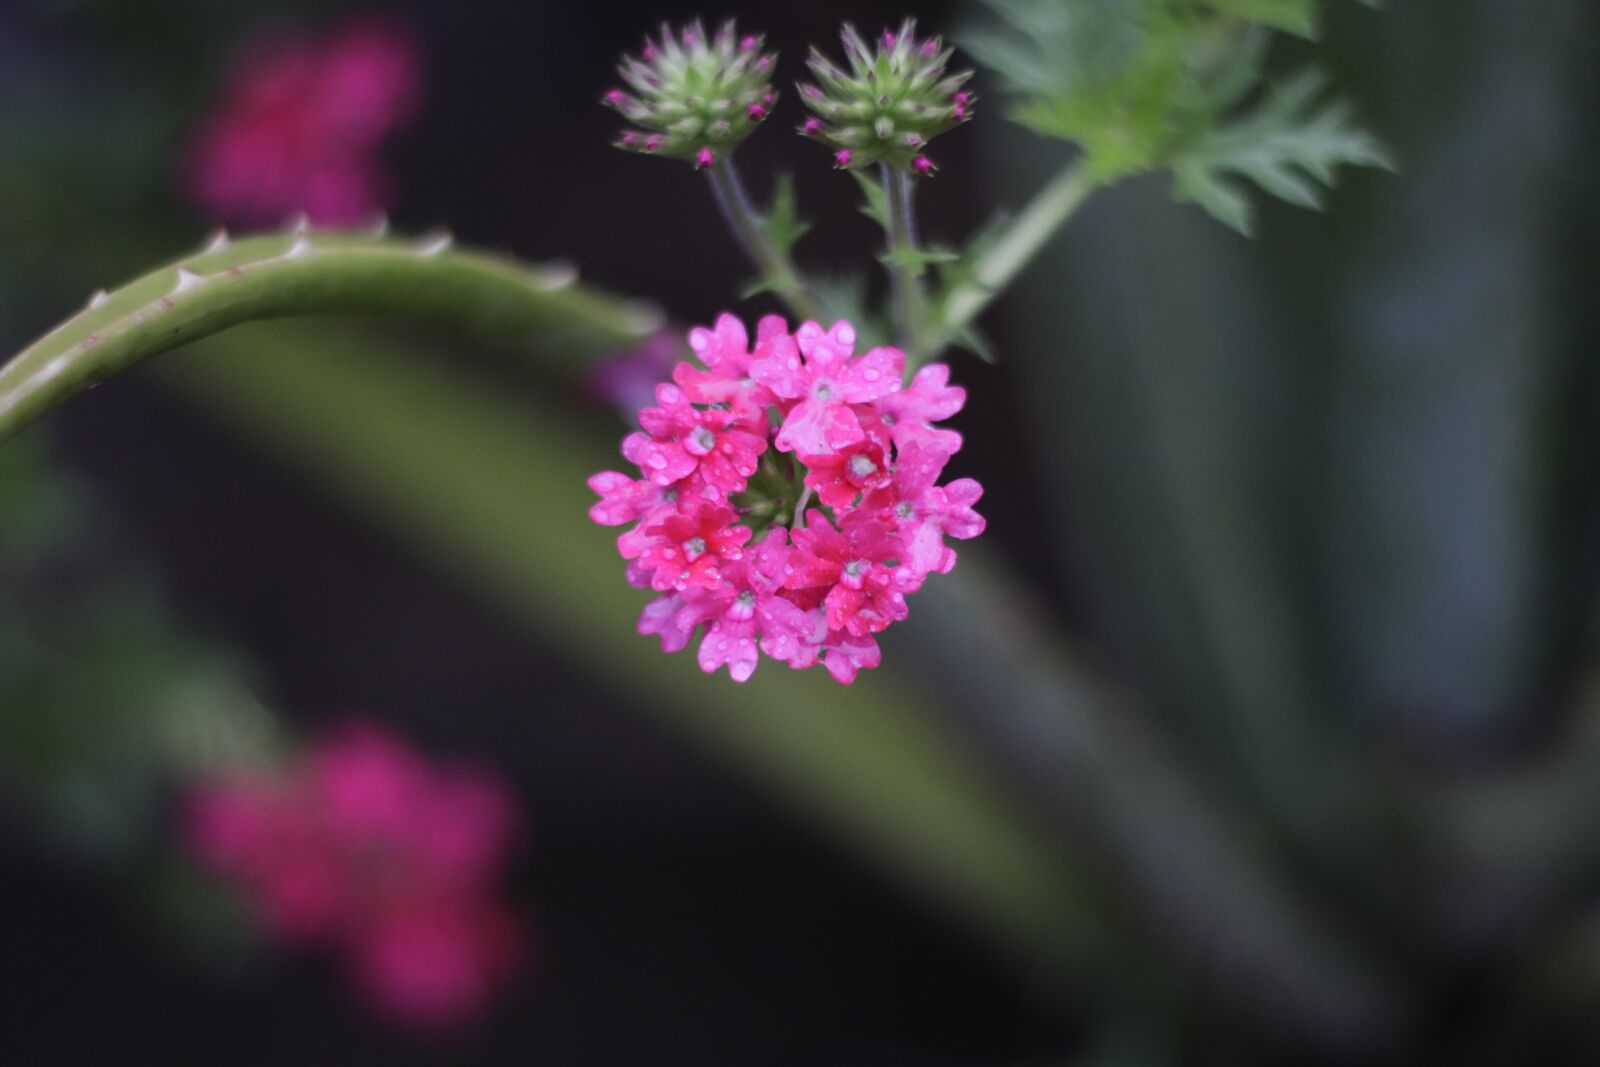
x=360 y=844
x=786 y=499
x=693 y=96
x=299 y=126
x=894 y=98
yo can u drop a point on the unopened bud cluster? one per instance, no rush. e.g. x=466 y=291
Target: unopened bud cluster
x=894 y=98
x=693 y=96
x=788 y=497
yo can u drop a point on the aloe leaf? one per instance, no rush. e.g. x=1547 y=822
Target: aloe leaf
x=487 y=299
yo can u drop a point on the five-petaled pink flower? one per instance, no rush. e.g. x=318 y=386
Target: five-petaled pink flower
x=360 y=844
x=806 y=550
x=299 y=125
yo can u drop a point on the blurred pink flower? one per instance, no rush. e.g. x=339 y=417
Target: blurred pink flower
x=628 y=381
x=361 y=844
x=299 y=124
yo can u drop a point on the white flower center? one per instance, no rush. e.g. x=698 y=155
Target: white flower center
x=703 y=438
x=855 y=567
x=694 y=548
x=861 y=466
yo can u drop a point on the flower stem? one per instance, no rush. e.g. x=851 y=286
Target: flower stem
x=998 y=267
x=796 y=522
x=751 y=234
x=905 y=276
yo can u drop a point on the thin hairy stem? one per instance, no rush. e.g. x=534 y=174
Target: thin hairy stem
x=800 y=509
x=905 y=276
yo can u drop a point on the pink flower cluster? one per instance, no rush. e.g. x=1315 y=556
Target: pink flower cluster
x=788 y=500
x=360 y=844
x=300 y=124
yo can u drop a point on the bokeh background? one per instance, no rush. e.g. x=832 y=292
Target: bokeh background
x=1292 y=557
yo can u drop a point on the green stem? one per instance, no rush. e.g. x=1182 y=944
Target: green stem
x=751 y=234
x=905 y=277
x=998 y=267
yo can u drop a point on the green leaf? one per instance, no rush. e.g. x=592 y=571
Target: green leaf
x=784 y=229
x=958 y=273
x=876 y=206
x=1292 y=16
x=1099 y=73
x=1290 y=146
x=1134 y=83
x=491 y=300
x=919 y=259
x=969 y=338
x=782 y=219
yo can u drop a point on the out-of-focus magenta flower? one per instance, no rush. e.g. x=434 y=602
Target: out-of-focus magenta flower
x=362 y=845
x=299 y=124
x=628 y=381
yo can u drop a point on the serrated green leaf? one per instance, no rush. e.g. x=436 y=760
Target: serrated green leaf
x=969 y=338
x=1135 y=82
x=876 y=206
x=1290 y=146
x=918 y=260
x=764 y=283
x=783 y=222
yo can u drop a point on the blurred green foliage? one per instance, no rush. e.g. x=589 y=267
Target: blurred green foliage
x=1144 y=85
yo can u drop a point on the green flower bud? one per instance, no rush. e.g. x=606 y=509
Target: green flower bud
x=893 y=99
x=693 y=96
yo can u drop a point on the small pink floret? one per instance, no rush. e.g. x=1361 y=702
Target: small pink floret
x=841 y=158
x=704 y=158
x=922 y=165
